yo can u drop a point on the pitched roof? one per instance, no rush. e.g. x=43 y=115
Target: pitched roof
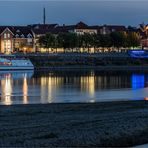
x=2 y=28
x=42 y=26
x=41 y=31
x=81 y=25
x=21 y=30
x=17 y=30
x=56 y=30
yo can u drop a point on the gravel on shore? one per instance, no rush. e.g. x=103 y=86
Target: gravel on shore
x=69 y=125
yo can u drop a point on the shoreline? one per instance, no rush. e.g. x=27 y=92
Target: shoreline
x=100 y=68
x=74 y=124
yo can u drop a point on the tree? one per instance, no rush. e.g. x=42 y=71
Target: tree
x=69 y=41
x=87 y=41
x=118 y=39
x=133 y=39
x=47 y=41
x=97 y=41
x=73 y=40
x=105 y=41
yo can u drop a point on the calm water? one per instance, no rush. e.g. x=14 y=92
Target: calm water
x=27 y=87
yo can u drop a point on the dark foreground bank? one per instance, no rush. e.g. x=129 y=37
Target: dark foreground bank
x=98 y=124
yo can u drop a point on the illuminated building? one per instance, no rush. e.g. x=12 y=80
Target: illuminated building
x=25 y=38
x=15 y=39
x=107 y=29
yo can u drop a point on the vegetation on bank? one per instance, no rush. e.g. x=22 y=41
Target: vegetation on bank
x=71 y=41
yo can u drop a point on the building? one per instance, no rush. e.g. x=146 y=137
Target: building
x=143 y=30
x=25 y=38
x=39 y=30
x=107 y=29
x=80 y=28
x=16 y=39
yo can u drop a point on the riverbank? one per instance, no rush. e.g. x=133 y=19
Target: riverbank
x=103 y=61
x=98 y=68
x=96 y=124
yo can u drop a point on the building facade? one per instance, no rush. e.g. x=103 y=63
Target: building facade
x=16 y=39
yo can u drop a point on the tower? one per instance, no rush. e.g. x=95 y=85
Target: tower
x=44 y=16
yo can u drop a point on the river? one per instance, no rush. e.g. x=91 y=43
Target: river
x=68 y=86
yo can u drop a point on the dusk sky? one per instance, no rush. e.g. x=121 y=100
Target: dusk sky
x=126 y=12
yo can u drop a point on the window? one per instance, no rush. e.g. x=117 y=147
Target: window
x=8 y=35
x=5 y=35
x=17 y=36
x=18 y=30
x=8 y=44
x=36 y=27
x=22 y=36
x=29 y=40
x=4 y=43
x=29 y=36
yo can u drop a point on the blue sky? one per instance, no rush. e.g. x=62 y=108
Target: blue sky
x=126 y=12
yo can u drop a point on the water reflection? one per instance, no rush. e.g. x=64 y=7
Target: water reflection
x=6 y=87
x=9 y=83
x=70 y=86
x=87 y=84
x=25 y=89
x=49 y=87
x=138 y=81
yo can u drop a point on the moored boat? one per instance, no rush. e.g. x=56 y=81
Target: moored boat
x=15 y=64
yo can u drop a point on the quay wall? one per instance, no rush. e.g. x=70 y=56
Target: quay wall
x=73 y=60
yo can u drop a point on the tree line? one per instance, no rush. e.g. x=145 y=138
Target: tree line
x=71 y=41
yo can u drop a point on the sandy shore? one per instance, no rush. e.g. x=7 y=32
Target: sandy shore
x=98 y=124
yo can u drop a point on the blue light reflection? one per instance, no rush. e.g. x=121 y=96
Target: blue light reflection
x=138 y=81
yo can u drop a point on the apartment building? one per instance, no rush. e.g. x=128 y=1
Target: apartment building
x=16 y=39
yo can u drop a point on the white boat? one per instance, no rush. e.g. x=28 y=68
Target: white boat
x=15 y=64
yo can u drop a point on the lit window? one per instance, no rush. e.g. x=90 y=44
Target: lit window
x=8 y=44
x=8 y=41
x=29 y=40
x=4 y=43
x=5 y=35
x=8 y=35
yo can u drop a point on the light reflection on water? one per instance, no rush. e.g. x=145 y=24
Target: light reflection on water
x=27 y=87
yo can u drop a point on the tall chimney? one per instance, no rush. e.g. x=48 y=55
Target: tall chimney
x=44 y=16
